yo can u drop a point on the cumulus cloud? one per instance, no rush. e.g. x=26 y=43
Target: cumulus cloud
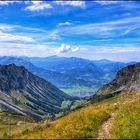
x=38 y=5
x=42 y=4
x=72 y=3
x=65 y=23
x=66 y=48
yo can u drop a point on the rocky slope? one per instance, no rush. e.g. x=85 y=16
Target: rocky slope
x=24 y=93
x=127 y=79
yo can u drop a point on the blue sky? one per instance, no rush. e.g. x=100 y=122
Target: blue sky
x=87 y=29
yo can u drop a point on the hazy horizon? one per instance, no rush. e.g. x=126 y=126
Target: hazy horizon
x=67 y=57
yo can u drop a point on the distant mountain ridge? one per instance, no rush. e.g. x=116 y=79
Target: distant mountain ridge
x=69 y=72
x=92 y=73
x=54 y=77
x=24 y=93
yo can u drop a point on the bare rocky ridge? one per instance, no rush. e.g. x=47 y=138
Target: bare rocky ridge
x=127 y=79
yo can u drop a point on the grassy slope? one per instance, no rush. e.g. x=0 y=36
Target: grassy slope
x=8 y=124
x=127 y=122
x=85 y=122
x=81 y=124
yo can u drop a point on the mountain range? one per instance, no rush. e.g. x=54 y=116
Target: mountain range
x=27 y=94
x=69 y=72
x=24 y=93
x=112 y=113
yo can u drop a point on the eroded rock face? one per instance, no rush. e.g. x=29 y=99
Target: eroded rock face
x=12 y=78
x=127 y=79
x=27 y=94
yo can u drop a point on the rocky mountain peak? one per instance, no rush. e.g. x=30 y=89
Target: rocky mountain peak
x=127 y=79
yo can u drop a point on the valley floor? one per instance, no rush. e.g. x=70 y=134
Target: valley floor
x=80 y=91
x=117 y=117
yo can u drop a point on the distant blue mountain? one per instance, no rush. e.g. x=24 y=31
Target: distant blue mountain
x=85 y=72
x=54 y=77
x=69 y=72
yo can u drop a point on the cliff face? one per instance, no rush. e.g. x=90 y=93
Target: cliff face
x=127 y=79
x=24 y=93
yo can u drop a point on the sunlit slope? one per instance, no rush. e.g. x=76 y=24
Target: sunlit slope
x=86 y=122
x=127 y=122
x=12 y=123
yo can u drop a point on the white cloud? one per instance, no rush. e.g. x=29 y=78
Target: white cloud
x=9 y=2
x=16 y=49
x=117 y=50
x=72 y=3
x=38 y=5
x=37 y=2
x=106 y=2
x=75 y=49
x=66 y=48
x=32 y=50
x=36 y=33
x=87 y=52
x=67 y=23
x=11 y=37
x=53 y=35
x=115 y=53
x=105 y=29
x=5 y=27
